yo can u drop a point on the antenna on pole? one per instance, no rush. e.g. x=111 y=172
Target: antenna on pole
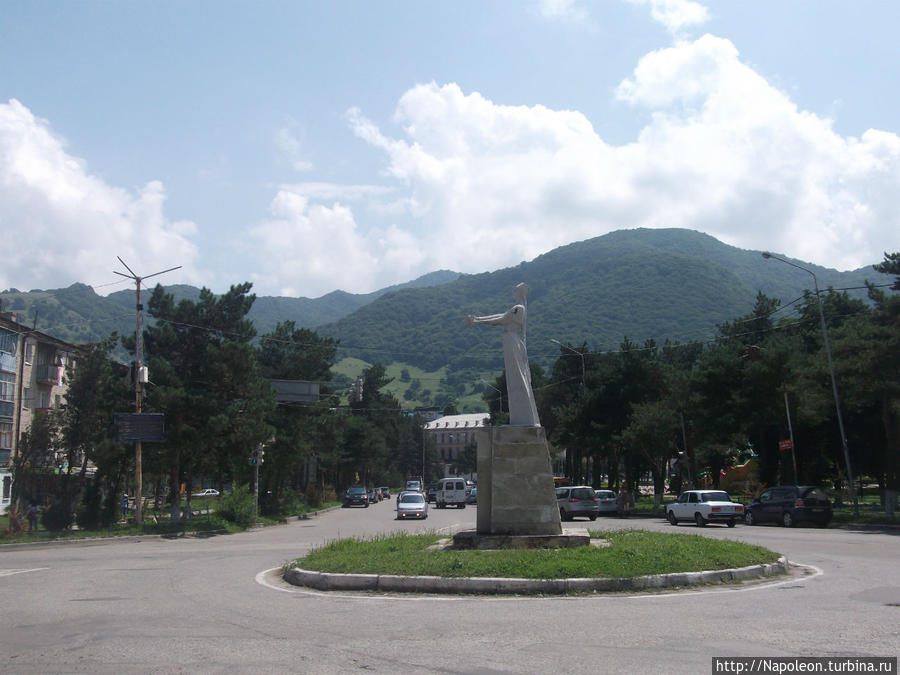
x=138 y=378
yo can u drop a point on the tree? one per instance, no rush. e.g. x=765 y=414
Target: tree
x=207 y=383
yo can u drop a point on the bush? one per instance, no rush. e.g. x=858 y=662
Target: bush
x=87 y=514
x=238 y=506
x=57 y=517
x=314 y=495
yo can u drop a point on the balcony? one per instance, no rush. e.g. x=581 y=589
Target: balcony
x=47 y=374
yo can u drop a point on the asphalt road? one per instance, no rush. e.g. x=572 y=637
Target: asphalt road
x=209 y=605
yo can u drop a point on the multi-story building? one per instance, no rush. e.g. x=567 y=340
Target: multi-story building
x=452 y=433
x=32 y=380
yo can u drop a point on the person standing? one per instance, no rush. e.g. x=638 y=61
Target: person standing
x=32 y=514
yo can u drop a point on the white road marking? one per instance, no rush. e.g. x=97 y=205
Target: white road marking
x=7 y=573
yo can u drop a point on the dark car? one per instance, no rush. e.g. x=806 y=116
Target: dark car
x=431 y=493
x=789 y=505
x=356 y=496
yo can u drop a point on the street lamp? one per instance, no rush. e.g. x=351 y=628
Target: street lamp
x=574 y=351
x=834 y=388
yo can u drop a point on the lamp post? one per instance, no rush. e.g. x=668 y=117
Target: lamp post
x=834 y=388
x=574 y=351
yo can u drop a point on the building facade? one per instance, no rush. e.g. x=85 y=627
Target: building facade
x=32 y=380
x=451 y=434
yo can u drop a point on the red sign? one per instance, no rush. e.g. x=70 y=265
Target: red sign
x=784 y=446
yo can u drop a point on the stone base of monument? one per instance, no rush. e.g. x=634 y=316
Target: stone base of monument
x=471 y=539
x=516 y=496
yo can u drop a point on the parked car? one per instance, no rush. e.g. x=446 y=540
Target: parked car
x=356 y=496
x=385 y=493
x=473 y=496
x=411 y=505
x=431 y=493
x=606 y=501
x=704 y=506
x=578 y=500
x=789 y=505
x=208 y=492
x=451 y=492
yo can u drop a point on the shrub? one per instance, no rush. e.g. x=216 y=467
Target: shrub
x=314 y=495
x=87 y=514
x=57 y=517
x=238 y=506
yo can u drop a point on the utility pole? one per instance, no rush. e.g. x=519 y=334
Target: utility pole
x=139 y=382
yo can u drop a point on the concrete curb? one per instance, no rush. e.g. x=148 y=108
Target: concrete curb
x=329 y=581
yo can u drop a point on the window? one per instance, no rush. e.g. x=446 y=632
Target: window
x=6 y=436
x=26 y=398
x=43 y=399
x=29 y=352
x=693 y=498
x=7 y=386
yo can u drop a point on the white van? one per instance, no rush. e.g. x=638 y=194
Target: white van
x=451 y=492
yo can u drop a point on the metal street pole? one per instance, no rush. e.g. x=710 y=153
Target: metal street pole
x=787 y=410
x=574 y=351
x=834 y=387
x=138 y=384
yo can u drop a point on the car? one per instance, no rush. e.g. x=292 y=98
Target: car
x=704 y=506
x=577 y=500
x=411 y=504
x=414 y=486
x=606 y=501
x=789 y=505
x=356 y=496
x=208 y=492
x=385 y=493
x=473 y=496
x=374 y=495
x=451 y=492
x=431 y=492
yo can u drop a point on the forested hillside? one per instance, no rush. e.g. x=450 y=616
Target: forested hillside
x=644 y=284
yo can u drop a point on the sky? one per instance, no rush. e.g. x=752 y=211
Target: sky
x=312 y=146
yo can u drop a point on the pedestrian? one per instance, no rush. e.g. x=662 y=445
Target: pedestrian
x=124 y=507
x=32 y=514
x=623 y=503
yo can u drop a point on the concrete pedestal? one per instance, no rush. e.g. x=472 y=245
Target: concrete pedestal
x=516 y=494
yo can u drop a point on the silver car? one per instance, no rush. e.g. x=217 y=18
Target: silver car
x=411 y=505
x=606 y=501
x=579 y=500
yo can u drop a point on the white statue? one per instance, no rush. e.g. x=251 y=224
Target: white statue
x=522 y=410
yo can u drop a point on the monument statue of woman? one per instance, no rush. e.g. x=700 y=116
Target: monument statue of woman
x=522 y=410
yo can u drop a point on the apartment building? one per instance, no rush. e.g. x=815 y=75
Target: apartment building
x=452 y=433
x=32 y=380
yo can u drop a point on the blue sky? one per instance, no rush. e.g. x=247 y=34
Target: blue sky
x=311 y=146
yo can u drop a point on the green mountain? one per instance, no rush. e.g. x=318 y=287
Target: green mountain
x=78 y=315
x=676 y=284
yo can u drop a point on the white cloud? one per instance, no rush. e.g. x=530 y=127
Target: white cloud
x=725 y=153
x=567 y=10
x=291 y=148
x=308 y=249
x=675 y=15
x=62 y=224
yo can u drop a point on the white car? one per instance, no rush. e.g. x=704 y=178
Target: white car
x=411 y=505
x=606 y=500
x=208 y=492
x=705 y=506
